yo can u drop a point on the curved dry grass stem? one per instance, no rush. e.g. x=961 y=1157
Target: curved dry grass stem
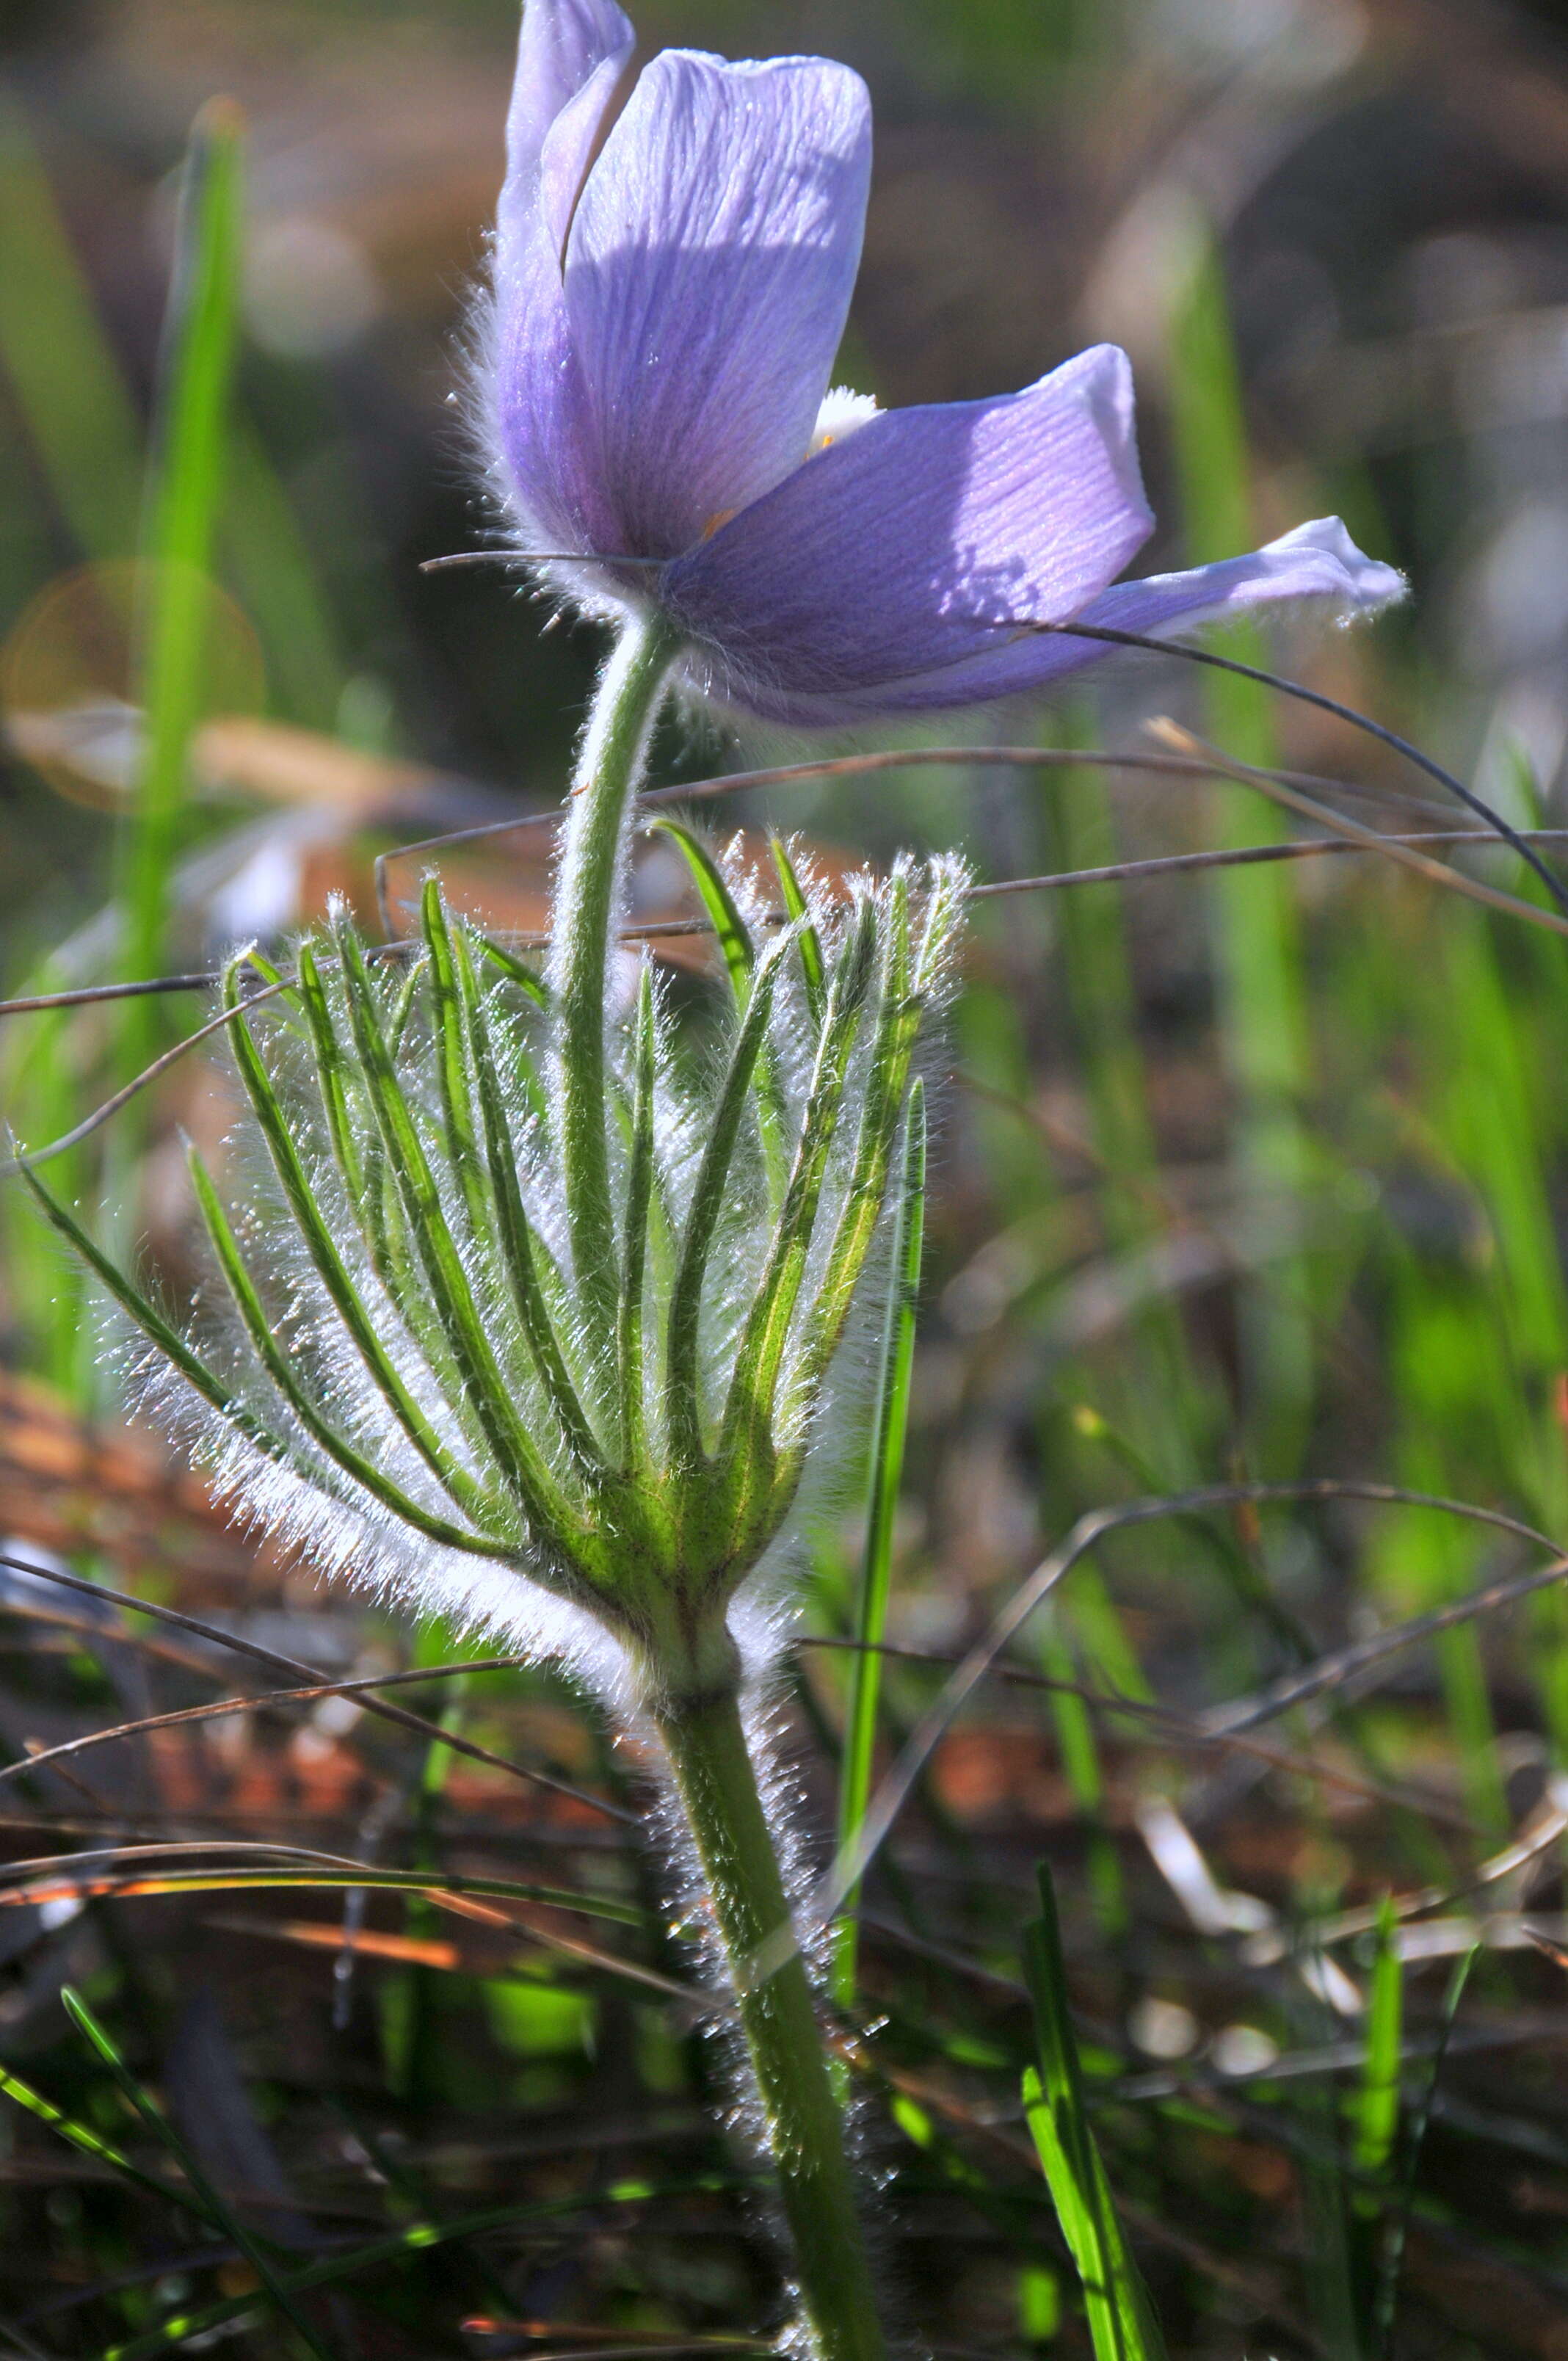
x=1212 y=657
x=869 y=765
x=430 y=1730
x=852 y=1864
x=1410 y=851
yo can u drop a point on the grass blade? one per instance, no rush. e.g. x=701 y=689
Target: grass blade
x=72 y=393
x=200 y=343
x=1263 y=1025
x=1376 y=2102
x=890 y=1428
x=1122 y=2322
x=159 y=2126
x=456 y=1893
x=1385 y=2302
x=82 y=2136
x=414 y=2238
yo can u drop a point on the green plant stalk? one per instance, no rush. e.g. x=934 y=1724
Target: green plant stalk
x=619 y=727
x=713 y=1772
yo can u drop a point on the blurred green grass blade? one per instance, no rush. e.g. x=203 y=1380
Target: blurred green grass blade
x=183 y=522
x=410 y=2031
x=418 y=2238
x=1479 y=1348
x=1385 y=2302
x=1247 y=1580
x=80 y=2135
x=1376 y=2105
x=1166 y=1394
x=281 y=587
x=68 y=382
x=157 y=2123
x=890 y=1428
x=1078 y=1745
x=1122 y=2321
x=1263 y=1007
x=41 y=1102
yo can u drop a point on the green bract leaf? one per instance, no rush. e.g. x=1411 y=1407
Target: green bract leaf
x=809 y=940
x=682 y=1404
x=280 y=1369
x=518 y=1459
x=713 y=891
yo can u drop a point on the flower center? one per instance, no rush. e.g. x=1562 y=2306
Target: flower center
x=842 y=413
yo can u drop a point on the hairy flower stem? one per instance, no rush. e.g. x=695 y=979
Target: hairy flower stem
x=707 y=1748
x=629 y=694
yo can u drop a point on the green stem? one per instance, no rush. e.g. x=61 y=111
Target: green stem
x=713 y=1770
x=585 y=905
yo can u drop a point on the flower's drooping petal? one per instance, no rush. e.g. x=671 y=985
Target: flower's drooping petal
x=708 y=276
x=1317 y=561
x=895 y=551
x=564 y=43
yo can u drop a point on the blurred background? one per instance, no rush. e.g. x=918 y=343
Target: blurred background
x=1261 y=1173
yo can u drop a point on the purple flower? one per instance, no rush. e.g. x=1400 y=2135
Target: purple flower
x=675 y=256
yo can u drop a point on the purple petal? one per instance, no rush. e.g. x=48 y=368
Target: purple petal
x=571 y=62
x=894 y=552
x=1317 y=561
x=708 y=274
x=562 y=44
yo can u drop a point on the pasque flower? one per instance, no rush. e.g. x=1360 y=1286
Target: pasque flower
x=674 y=256
x=532 y=1313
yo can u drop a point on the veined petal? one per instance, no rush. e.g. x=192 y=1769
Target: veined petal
x=708 y=274
x=571 y=62
x=563 y=43
x=1317 y=561
x=899 y=551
